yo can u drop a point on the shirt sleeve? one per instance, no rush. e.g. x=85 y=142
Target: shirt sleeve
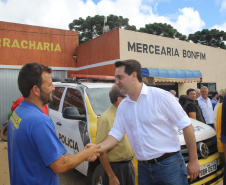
x=103 y=127
x=223 y=121
x=49 y=146
x=118 y=129
x=173 y=110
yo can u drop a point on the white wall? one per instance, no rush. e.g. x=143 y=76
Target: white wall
x=212 y=66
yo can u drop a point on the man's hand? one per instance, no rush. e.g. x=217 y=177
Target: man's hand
x=65 y=163
x=193 y=169
x=113 y=181
x=93 y=151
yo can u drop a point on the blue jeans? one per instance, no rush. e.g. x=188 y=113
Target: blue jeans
x=170 y=171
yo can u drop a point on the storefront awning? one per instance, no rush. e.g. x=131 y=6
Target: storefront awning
x=173 y=75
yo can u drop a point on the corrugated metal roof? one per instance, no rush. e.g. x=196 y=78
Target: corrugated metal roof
x=9 y=90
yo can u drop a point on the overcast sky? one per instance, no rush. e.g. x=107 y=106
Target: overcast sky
x=187 y=16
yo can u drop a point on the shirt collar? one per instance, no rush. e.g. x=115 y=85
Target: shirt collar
x=203 y=98
x=113 y=108
x=144 y=91
x=214 y=99
x=25 y=103
x=188 y=99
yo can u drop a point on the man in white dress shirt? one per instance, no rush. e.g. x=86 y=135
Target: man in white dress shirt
x=197 y=91
x=206 y=106
x=149 y=116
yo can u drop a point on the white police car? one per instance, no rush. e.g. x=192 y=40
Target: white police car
x=78 y=103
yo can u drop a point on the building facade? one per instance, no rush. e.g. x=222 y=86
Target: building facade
x=60 y=50
x=98 y=56
x=20 y=44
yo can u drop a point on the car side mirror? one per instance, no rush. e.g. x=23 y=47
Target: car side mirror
x=72 y=113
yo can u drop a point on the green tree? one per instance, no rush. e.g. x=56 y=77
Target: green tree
x=165 y=30
x=214 y=38
x=92 y=27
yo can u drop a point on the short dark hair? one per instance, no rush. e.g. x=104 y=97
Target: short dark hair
x=130 y=67
x=214 y=93
x=115 y=93
x=30 y=75
x=189 y=90
x=221 y=98
x=182 y=100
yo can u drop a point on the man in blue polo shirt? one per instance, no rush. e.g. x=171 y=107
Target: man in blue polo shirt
x=34 y=151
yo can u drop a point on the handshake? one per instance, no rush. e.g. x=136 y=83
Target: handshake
x=93 y=151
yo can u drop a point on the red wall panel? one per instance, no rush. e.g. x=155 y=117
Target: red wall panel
x=108 y=70
x=20 y=44
x=101 y=49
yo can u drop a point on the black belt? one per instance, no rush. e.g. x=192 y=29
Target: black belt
x=125 y=161
x=161 y=158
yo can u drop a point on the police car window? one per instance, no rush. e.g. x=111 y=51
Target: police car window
x=99 y=99
x=74 y=98
x=57 y=94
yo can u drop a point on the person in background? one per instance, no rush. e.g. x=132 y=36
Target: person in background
x=197 y=91
x=214 y=99
x=191 y=106
x=20 y=99
x=206 y=106
x=182 y=100
x=218 y=109
x=223 y=132
x=120 y=170
x=35 y=153
x=215 y=111
x=149 y=116
x=221 y=96
x=174 y=93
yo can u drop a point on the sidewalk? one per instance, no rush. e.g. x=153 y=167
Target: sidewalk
x=4 y=168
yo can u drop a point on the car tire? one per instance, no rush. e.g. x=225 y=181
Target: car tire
x=96 y=179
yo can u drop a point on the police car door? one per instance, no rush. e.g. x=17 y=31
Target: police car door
x=55 y=107
x=70 y=132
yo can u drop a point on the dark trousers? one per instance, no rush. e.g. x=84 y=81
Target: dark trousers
x=124 y=171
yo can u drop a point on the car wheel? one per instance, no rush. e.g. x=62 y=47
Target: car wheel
x=97 y=180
